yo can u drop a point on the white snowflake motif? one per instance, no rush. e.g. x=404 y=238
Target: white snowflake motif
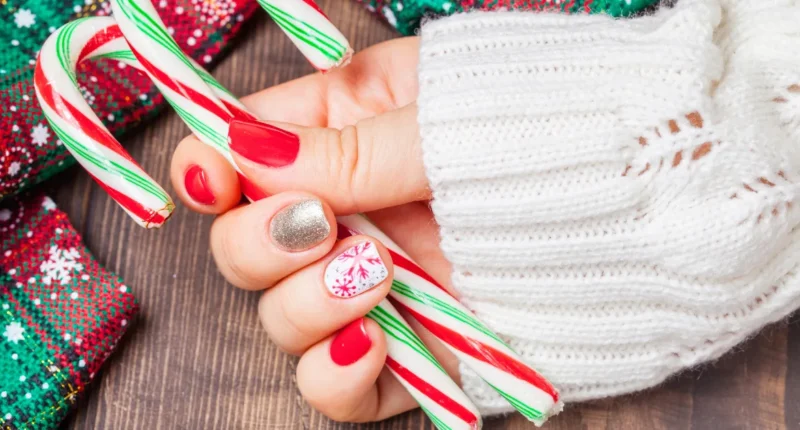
x=87 y=95
x=355 y=271
x=40 y=134
x=61 y=265
x=24 y=18
x=13 y=169
x=14 y=332
x=215 y=11
x=105 y=9
x=48 y=204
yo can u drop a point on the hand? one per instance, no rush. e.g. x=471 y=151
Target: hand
x=368 y=159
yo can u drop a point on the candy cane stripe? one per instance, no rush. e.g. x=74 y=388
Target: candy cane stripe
x=99 y=40
x=308 y=26
x=207 y=107
x=73 y=121
x=308 y=34
x=424 y=378
x=450 y=310
x=416 y=293
x=94 y=131
x=446 y=402
x=402 y=333
x=487 y=353
x=189 y=92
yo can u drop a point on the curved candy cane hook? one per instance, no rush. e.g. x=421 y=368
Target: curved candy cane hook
x=82 y=132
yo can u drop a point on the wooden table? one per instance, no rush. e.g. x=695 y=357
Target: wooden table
x=198 y=359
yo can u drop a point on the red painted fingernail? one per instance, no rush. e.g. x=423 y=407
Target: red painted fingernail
x=263 y=143
x=351 y=343
x=197 y=185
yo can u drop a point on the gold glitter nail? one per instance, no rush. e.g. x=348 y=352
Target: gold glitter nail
x=300 y=226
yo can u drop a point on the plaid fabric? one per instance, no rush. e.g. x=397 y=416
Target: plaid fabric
x=61 y=314
x=405 y=15
x=121 y=96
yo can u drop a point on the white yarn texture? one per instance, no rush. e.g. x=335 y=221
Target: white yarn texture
x=619 y=198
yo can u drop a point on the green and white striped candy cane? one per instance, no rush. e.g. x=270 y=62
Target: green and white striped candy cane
x=417 y=293
x=408 y=358
x=311 y=31
x=82 y=132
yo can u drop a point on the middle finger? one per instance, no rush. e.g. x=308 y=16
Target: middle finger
x=259 y=244
x=318 y=300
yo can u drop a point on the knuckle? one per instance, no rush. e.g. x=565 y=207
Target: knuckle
x=333 y=405
x=350 y=168
x=288 y=334
x=224 y=248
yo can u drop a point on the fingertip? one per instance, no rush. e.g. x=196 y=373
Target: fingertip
x=378 y=338
x=260 y=244
x=203 y=179
x=338 y=375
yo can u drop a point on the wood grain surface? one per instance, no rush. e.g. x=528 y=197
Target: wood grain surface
x=198 y=359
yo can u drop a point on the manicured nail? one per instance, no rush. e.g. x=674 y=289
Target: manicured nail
x=351 y=343
x=300 y=226
x=356 y=270
x=263 y=143
x=197 y=185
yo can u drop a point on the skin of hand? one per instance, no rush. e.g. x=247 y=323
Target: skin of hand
x=358 y=151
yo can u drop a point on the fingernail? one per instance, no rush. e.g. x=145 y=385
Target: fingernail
x=356 y=270
x=263 y=143
x=300 y=226
x=197 y=185
x=351 y=343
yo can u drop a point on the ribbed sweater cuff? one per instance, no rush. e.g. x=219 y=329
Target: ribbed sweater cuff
x=531 y=119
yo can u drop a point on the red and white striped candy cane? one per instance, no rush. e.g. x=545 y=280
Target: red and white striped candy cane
x=413 y=289
x=311 y=31
x=84 y=134
x=417 y=293
x=408 y=358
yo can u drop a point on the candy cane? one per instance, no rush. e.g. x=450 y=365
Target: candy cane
x=311 y=31
x=438 y=311
x=408 y=358
x=84 y=134
x=415 y=292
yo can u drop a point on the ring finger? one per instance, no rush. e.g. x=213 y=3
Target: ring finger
x=313 y=303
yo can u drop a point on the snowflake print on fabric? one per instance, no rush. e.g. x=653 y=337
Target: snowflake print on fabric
x=48 y=204
x=13 y=332
x=122 y=97
x=219 y=12
x=15 y=164
x=13 y=168
x=61 y=265
x=104 y=9
x=24 y=18
x=40 y=134
x=355 y=271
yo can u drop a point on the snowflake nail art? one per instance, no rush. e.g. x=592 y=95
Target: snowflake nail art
x=356 y=270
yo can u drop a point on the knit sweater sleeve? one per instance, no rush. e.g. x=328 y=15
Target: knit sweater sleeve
x=618 y=198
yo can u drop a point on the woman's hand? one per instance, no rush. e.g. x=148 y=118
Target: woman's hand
x=348 y=139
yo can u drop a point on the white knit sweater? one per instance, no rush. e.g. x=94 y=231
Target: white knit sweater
x=619 y=198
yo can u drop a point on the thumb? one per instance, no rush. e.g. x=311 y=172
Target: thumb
x=374 y=164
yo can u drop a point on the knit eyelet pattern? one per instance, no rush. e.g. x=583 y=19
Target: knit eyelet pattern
x=618 y=198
